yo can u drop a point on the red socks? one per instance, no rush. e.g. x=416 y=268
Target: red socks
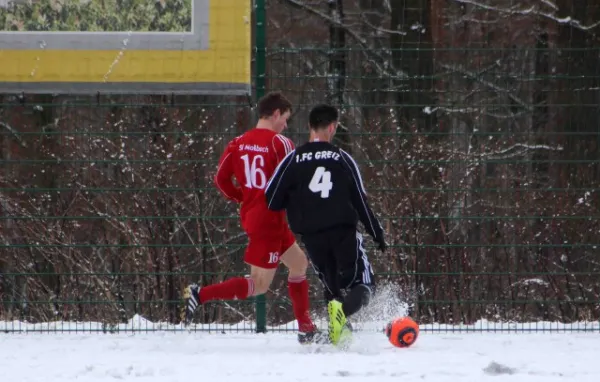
x=298 y=290
x=236 y=288
x=241 y=288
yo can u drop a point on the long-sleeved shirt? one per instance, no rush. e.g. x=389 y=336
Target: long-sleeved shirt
x=320 y=187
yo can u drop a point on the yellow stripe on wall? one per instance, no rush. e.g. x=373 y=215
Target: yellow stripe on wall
x=226 y=60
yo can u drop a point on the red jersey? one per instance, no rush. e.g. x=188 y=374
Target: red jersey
x=251 y=159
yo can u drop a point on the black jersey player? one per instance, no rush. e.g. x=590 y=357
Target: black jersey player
x=321 y=188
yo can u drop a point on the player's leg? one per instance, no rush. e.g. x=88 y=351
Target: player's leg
x=262 y=254
x=320 y=251
x=356 y=273
x=319 y=248
x=353 y=274
x=295 y=260
x=235 y=288
x=323 y=263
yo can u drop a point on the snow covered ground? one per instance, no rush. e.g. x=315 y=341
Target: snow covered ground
x=237 y=357
x=159 y=352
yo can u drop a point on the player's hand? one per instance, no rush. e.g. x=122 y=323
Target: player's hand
x=381 y=244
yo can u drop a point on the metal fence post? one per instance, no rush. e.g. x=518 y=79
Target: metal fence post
x=260 y=37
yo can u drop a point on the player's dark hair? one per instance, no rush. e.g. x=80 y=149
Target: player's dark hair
x=272 y=102
x=322 y=116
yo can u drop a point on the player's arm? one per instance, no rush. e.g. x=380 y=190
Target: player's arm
x=282 y=146
x=360 y=203
x=224 y=177
x=277 y=187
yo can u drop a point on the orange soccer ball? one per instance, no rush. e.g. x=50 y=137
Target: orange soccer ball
x=402 y=332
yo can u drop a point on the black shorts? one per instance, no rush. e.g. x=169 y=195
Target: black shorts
x=340 y=260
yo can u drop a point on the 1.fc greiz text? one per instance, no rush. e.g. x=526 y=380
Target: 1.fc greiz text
x=325 y=154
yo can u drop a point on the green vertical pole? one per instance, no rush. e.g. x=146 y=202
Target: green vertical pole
x=260 y=44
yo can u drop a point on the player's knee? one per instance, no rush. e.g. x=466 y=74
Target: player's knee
x=261 y=284
x=262 y=279
x=295 y=260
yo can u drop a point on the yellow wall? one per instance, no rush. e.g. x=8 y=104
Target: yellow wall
x=227 y=59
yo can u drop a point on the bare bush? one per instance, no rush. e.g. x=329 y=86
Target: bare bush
x=473 y=122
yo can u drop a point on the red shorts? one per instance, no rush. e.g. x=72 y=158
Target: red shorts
x=264 y=251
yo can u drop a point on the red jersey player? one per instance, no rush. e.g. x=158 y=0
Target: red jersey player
x=251 y=159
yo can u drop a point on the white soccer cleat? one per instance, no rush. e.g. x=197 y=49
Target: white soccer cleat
x=191 y=298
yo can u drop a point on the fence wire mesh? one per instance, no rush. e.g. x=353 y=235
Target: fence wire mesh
x=476 y=127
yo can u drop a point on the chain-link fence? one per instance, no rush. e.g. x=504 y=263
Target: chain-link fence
x=475 y=125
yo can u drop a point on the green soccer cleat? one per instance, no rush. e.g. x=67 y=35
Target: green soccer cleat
x=339 y=332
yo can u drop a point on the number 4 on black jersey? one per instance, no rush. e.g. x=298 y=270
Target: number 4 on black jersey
x=320 y=186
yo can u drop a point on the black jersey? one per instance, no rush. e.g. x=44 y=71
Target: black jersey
x=320 y=187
